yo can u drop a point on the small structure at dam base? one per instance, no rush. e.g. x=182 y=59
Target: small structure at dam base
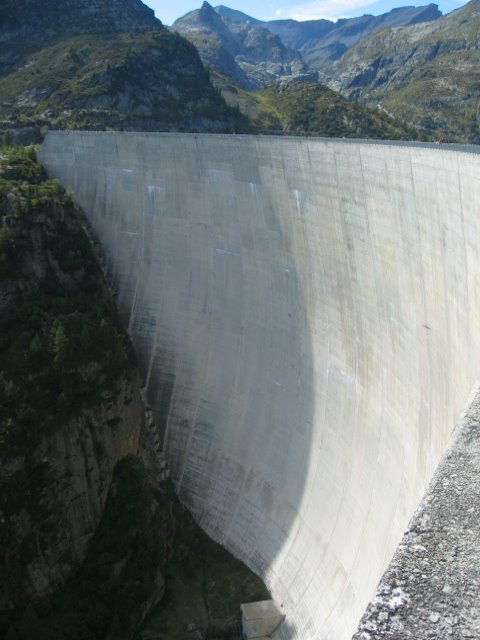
x=261 y=619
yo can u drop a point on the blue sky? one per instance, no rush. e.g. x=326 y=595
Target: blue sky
x=168 y=11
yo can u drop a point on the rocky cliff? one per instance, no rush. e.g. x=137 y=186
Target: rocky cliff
x=244 y=50
x=70 y=401
x=101 y=64
x=43 y=20
x=322 y=41
x=426 y=74
x=55 y=494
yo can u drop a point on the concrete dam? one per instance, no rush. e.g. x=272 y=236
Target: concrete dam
x=306 y=317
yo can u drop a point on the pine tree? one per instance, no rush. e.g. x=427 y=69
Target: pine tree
x=61 y=346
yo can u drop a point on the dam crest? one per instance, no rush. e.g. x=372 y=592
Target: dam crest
x=306 y=318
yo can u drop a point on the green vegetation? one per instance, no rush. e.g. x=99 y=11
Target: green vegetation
x=440 y=97
x=310 y=108
x=121 y=572
x=139 y=80
x=61 y=342
x=62 y=351
x=426 y=74
x=147 y=548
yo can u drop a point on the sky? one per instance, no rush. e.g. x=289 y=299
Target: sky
x=169 y=11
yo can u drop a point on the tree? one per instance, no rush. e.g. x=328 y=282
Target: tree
x=7 y=138
x=61 y=346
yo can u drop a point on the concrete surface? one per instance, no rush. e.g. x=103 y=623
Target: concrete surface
x=306 y=314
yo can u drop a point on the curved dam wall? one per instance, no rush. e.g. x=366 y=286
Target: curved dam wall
x=306 y=314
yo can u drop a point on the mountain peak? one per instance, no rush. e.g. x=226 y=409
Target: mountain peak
x=204 y=18
x=207 y=8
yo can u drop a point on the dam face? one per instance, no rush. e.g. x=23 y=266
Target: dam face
x=306 y=316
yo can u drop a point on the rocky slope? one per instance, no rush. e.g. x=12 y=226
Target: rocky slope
x=43 y=20
x=320 y=41
x=311 y=109
x=245 y=51
x=426 y=74
x=70 y=401
x=101 y=64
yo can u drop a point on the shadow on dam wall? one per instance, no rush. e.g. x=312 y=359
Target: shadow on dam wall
x=306 y=318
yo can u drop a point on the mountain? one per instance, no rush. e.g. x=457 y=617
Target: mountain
x=98 y=64
x=412 y=62
x=320 y=41
x=270 y=84
x=426 y=74
x=311 y=109
x=43 y=20
x=239 y=46
x=101 y=63
x=232 y=15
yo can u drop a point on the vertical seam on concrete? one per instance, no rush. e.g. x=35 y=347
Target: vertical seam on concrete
x=345 y=587
x=139 y=279
x=467 y=270
x=375 y=270
x=346 y=475
x=400 y=484
x=424 y=310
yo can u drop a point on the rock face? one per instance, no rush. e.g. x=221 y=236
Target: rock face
x=71 y=407
x=425 y=73
x=101 y=64
x=246 y=51
x=321 y=41
x=46 y=19
x=50 y=527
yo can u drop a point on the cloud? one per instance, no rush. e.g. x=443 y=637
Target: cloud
x=318 y=9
